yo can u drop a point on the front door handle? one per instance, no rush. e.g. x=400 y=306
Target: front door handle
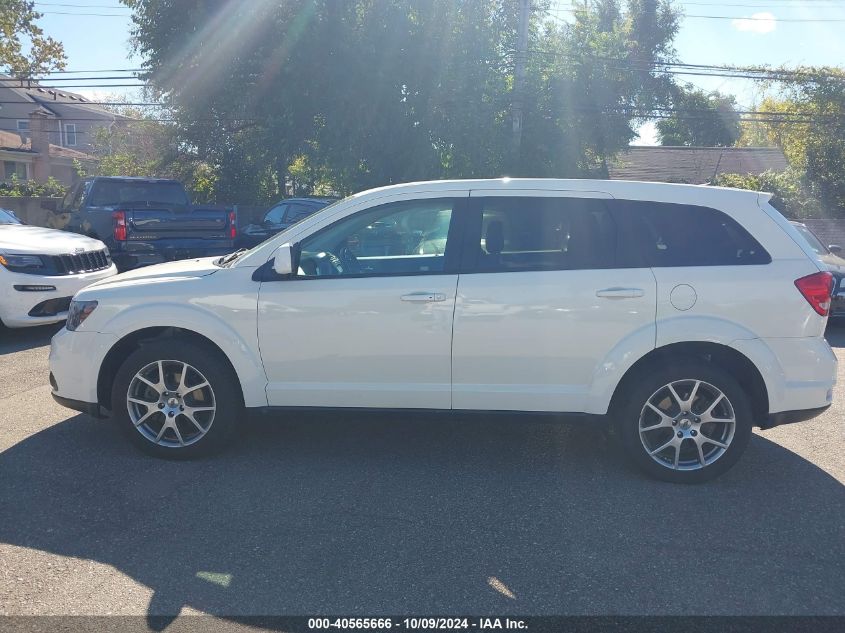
x=423 y=297
x=620 y=293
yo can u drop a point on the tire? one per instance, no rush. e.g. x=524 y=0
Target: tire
x=164 y=427
x=648 y=416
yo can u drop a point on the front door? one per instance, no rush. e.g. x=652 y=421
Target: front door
x=367 y=319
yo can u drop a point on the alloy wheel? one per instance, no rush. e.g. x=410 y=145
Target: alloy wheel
x=171 y=403
x=687 y=425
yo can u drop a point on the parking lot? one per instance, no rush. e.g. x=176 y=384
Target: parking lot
x=354 y=515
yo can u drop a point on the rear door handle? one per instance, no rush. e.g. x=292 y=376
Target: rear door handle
x=620 y=293
x=423 y=297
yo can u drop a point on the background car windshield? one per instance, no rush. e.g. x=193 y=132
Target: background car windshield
x=7 y=217
x=812 y=240
x=109 y=193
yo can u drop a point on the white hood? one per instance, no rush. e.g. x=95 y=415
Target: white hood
x=20 y=239
x=181 y=269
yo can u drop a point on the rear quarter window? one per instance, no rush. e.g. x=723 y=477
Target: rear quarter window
x=657 y=234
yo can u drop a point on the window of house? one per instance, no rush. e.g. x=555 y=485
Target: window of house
x=13 y=168
x=540 y=233
x=70 y=134
x=403 y=238
x=23 y=125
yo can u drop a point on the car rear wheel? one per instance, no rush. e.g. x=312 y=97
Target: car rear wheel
x=686 y=422
x=176 y=398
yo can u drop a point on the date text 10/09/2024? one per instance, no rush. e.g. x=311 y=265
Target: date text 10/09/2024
x=417 y=624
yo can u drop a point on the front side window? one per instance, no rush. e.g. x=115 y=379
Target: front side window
x=274 y=216
x=659 y=234
x=297 y=212
x=402 y=238
x=542 y=233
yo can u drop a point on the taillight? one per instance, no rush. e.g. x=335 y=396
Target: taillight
x=233 y=225
x=119 y=218
x=816 y=289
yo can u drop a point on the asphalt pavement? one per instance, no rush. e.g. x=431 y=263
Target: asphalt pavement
x=349 y=514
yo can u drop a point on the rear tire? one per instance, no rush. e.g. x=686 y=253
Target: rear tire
x=177 y=399
x=684 y=422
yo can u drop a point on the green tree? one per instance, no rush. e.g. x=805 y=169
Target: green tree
x=700 y=118
x=805 y=117
x=349 y=95
x=24 y=49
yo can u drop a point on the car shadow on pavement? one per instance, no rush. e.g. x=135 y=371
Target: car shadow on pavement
x=20 y=339
x=356 y=516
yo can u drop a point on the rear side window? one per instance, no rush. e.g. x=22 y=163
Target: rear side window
x=510 y=234
x=656 y=234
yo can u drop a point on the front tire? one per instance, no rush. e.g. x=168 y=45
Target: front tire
x=684 y=422
x=176 y=398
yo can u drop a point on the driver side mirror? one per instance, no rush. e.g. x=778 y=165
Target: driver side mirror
x=835 y=249
x=283 y=263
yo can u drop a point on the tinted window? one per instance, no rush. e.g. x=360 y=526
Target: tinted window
x=661 y=234
x=393 y=239
x=274 y=216
x=110 y=193
x=297 y=212
x=519 y=233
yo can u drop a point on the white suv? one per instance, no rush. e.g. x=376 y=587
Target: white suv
x=684 y=315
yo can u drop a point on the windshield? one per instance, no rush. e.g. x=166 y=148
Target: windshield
x=812 y=240
x=7 y=217
x=112 y=193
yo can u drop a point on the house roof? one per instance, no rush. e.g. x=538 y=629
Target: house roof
x=54 y=100
x=694 y=165
x=11 y=142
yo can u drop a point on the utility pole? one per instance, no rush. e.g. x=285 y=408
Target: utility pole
x=519 y=78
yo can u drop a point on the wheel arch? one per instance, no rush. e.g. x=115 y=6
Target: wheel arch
x=727 y=358
x=136 y=339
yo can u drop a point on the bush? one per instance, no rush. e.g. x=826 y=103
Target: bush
x=792 y=194
x=29 y=188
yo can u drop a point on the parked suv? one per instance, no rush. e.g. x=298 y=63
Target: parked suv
x=683 y=315
x=279 y=217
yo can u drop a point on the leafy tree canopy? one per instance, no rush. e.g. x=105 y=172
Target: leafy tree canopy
x=347 y=95
x=24 y=49
x=700 y=118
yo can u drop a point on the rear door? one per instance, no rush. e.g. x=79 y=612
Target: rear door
x=543 y=309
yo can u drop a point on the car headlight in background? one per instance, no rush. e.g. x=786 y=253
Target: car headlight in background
x=78 y=312
x=21 y=261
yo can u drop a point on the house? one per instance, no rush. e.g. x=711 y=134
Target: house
x=66 y=124
x=693 y=165
x=19 y=159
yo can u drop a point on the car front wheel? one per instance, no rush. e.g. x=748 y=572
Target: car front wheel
x=686 y=422
x=176 y=398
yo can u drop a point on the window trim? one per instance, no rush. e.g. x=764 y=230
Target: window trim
x=472 y=234
x=452 y=255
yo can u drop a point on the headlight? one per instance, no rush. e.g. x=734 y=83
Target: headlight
x=21 y=261
x=78 y=312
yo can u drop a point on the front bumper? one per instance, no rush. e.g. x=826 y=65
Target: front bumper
x=91 y=408
x=25 y=308
x=75 y=361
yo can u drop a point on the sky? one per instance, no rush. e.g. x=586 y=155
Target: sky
x=743 y=32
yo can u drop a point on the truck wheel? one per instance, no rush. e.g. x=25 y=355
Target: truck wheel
x=175 y=398
x=688 y=422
